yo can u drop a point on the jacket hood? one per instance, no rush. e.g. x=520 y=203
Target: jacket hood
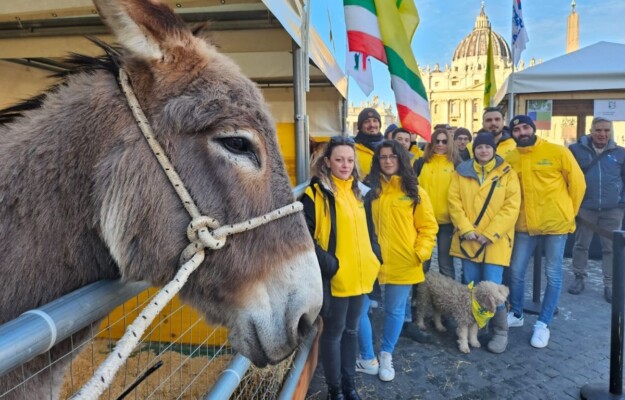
x=466 y=169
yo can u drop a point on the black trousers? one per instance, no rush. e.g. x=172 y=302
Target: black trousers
x=338 y=345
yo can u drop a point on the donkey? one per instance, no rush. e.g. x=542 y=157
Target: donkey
x=82 y=197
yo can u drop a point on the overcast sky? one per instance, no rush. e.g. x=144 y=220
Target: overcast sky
x=444 y=23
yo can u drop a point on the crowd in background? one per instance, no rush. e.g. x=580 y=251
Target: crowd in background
x=378 y=205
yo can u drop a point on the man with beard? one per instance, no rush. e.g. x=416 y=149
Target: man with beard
x=493 y=122
x=462 y=138
x=552 y=187
x=368 y=137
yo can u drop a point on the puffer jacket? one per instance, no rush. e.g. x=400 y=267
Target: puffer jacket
x=605 y=181
x=435 y=177
x=552 y=188
x=344 y=236
x=406 y=233
x=467 y=194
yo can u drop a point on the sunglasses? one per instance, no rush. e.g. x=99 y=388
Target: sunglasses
x=342 y=140
x=391 y=157
x=443 y=141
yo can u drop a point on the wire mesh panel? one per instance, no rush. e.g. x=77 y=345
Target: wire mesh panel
x=179 y=357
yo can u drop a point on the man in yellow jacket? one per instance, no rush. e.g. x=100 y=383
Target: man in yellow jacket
x=493 y=122
x=367 y=138
x=552 y=188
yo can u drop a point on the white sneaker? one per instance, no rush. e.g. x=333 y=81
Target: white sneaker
x=369 y=367
x=540 y=337
x=514 y=321
x=387 y=372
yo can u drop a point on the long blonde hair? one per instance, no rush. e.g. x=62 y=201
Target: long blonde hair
x=452 y=151
x=323 y=172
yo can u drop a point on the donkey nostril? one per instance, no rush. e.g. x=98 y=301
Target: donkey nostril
x=304 y=325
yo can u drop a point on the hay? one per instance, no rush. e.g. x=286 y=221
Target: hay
x=180 y=376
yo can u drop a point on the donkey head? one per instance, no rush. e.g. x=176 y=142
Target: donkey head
x=264 y=285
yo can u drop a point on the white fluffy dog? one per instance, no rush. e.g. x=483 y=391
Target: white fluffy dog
x=444 y=296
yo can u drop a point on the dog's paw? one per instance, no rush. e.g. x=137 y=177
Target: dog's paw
x=464 y=348
x=475 y=344
x=422 y=326
x=440 y=328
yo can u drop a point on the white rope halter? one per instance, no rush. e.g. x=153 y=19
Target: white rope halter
x=200 y=238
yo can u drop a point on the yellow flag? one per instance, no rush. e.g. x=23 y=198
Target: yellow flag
x=490 y=88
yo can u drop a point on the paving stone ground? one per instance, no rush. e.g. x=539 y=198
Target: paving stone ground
x=578 y=353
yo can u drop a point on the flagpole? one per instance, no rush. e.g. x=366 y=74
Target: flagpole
x=511 y=86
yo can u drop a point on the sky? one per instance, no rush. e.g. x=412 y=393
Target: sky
x=444 y=23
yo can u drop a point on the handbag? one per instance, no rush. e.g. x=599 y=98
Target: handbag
x=481 y=248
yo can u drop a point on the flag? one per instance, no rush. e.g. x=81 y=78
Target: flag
x=519 y=33
x=383 y=29
x=398 y=21
x=490 y=88
x=359 y=67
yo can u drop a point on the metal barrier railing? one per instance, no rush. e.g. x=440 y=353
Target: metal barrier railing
x=36 y=331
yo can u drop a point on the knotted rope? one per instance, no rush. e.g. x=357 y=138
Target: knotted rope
x=200 y=237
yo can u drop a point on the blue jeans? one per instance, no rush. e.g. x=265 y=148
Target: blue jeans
x=338 y=346
x=478 y=272
x=524 y=246
x=395 y=298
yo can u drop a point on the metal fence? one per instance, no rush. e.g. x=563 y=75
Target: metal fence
x=179 y=356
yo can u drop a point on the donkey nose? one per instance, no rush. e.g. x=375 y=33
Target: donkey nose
x=305 y=324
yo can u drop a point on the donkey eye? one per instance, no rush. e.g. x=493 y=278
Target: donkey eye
x=241 y=146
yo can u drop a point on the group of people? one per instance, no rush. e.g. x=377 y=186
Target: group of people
x=378 y=204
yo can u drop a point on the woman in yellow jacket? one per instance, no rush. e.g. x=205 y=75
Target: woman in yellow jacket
x=346 y=246
x=434 y=171
x=484 y=203
x=406 y=229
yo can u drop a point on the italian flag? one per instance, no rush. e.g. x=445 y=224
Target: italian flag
x=383 y=29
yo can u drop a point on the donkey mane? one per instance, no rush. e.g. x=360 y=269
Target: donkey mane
x=77 y=63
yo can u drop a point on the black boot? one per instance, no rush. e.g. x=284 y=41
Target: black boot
x=410 y=331
x=577 y=286
x=349 y=391
x=335 y=393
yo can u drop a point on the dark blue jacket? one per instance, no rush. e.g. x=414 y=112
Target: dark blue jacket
x=605 y=181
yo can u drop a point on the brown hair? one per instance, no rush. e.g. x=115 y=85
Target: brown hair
x=452 y=151
x=323 y=172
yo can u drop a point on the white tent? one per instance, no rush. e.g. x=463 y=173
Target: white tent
x=600 y=66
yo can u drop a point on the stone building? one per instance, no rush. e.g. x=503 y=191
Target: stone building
x=456 y=92
x=385 y=109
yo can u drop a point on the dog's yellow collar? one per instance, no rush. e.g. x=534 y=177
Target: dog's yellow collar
x=481 y=315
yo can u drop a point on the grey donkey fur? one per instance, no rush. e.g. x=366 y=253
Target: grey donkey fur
x=443 y=296
x=82 y=198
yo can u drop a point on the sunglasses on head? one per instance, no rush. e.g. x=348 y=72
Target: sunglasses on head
x=342 y=140
x=441 y=141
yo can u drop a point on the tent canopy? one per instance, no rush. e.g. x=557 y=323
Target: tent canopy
x=600 y=66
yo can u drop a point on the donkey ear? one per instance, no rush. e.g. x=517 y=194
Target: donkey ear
x=145 y=27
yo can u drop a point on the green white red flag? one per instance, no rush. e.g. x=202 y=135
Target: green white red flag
x=383 y=29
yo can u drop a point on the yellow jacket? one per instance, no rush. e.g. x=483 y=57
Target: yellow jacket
x=505 y=146
x=364 y=155
x=435 y=178
x=468 y=191
x=406 y=233
x=552 y=188
x=416 y=150
x=358 y=266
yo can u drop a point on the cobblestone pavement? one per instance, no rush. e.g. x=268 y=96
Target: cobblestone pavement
x=578 y=353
